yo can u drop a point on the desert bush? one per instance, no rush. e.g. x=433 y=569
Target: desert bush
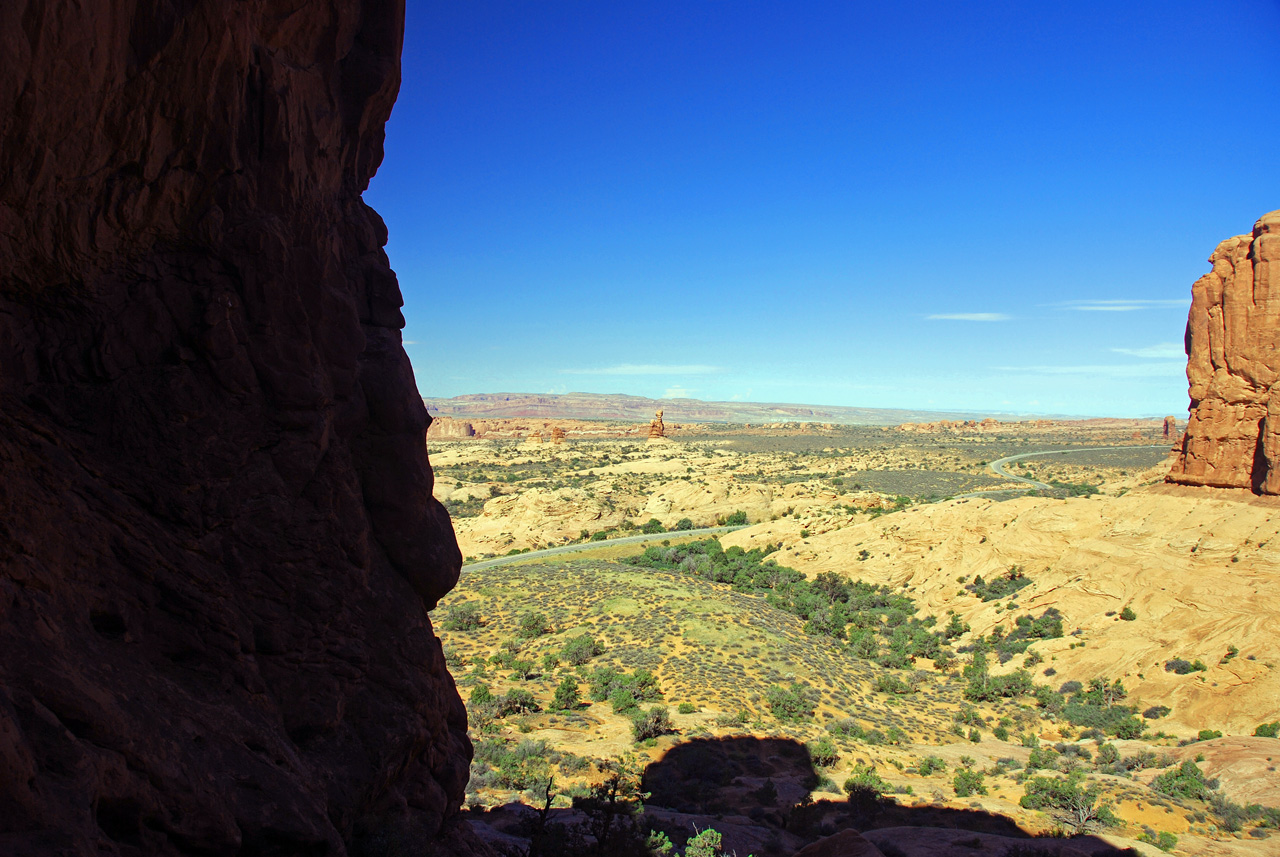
x=1268 y=730
x=651 y=724
x=1128 y=615
x=461 y=617
x=566 y=696
x=1069 y=800
x=684 y=524
x=864 y=788
x=516 y=701
x=1185 y=781
x=969 y=782
x=532 y=625
x=823 y=752
x=652 y=527
x=1006 y=584
x=581 y=649
x=686 y=708
x=791 y=703
x=930 y=764
x=1181 y=666
x=1155 y=712
x=1164 y=840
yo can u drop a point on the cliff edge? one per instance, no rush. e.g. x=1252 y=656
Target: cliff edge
x=1233 y=361
x=218 y=542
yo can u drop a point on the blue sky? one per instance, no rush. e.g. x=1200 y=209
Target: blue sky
x=984 y=206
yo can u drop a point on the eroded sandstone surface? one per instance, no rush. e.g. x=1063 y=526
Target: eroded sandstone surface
x=218 y=541
x=1233 y=361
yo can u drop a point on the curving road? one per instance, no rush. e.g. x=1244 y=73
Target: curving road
x=998 y=467
x=586 y=546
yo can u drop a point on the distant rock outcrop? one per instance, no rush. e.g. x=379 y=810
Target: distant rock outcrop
x=657 y=430
x=446 y=428
x=218 y=542
x=1232 y=438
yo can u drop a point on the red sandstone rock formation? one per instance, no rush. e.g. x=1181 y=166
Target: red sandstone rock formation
x=557 y=435
x=447 y=428
x=1232 y=439
x=656 y=429
x=218 y=542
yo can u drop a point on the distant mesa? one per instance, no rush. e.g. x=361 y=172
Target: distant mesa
x=1233 y=360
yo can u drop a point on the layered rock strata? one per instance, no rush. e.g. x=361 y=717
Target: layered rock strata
x=1232 y=439
x=218 y=542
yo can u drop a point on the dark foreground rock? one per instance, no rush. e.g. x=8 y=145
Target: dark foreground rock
x=218 y=543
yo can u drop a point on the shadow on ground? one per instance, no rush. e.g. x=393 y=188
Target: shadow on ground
x=756 y=793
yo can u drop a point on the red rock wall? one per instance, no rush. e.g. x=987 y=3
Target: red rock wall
x=218 y=542
x=1233 y=360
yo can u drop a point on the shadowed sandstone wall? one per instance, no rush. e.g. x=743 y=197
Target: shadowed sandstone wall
x=1233 y=361
x=218 y=542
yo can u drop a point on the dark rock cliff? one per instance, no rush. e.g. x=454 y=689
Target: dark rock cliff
x=217 y=537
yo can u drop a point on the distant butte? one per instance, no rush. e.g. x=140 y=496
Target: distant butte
x=1233 y=360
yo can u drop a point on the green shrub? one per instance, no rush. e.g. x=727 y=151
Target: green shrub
x=622 y=700
x=1181 y=666
x=864 y=787
x=684 y=524
x=1208 y=734
x=652 y=527
x=516 y=701
x=791 y=703
x=1185 y=781
x=566 y=696
x=930 y=764
x=1164 y=840
x=481 y=695
x=579 y=650
x=968 y=782
x=461 y=617
x=1065 y=796
x=1006 y=584
x=737 y=519
x=823 y=753
x=652 y=723
x=686 y=708
x=1268 y=730
x=532 y=625
x=1128 y=615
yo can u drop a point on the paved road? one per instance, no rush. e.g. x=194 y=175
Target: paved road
x=998 y=467
x=586 y=546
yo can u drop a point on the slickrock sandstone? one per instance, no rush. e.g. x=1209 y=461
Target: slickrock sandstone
x=1232 y=438
x=218 y=542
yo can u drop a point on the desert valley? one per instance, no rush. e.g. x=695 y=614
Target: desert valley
x=263 y=593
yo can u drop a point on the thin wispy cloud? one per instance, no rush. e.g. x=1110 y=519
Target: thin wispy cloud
x=677 y=392
x=1119 y=305
x=1160 y=351
x=968 y=316
x=1131 y=370
x=647 y=369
